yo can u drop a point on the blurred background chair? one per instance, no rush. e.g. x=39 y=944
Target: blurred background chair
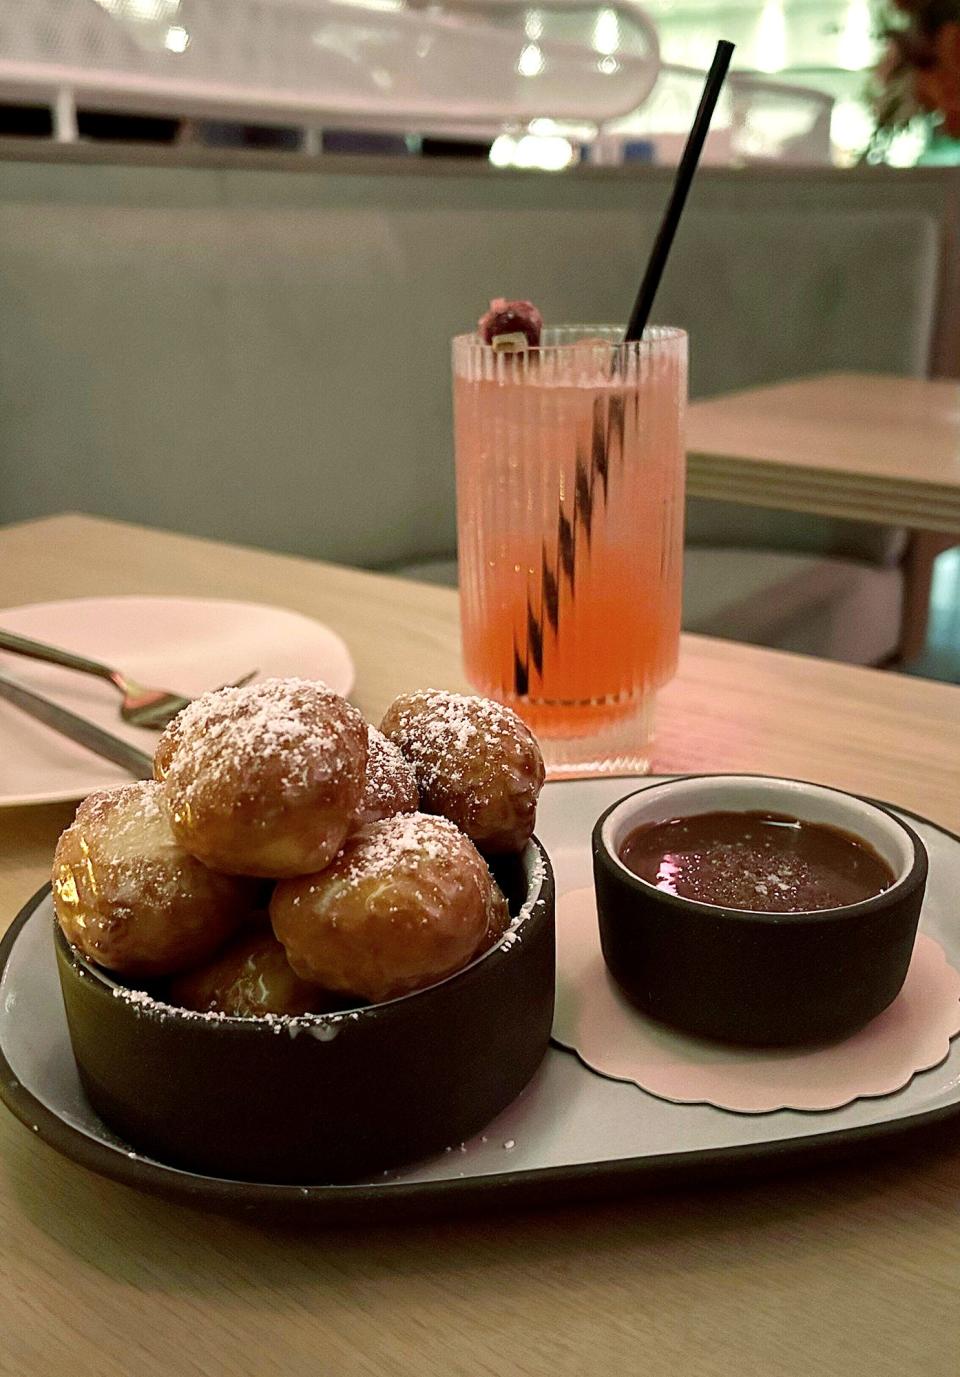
x=258 y=350
x=241 y=351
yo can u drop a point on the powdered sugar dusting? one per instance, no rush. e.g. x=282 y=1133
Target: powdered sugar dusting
x=398 y=844
x=536 y=874
x=440 y=731
x=127 y=829
x=137 y=803
x=475 y=761
x=323 y=1027
x=297 y=730
x=391 y=785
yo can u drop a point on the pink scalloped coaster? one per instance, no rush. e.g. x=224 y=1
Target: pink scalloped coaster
x=613 y=1038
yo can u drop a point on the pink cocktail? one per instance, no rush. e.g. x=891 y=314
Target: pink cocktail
x=570 y=489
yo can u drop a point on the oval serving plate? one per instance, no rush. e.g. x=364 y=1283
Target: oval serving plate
x=571 y=1135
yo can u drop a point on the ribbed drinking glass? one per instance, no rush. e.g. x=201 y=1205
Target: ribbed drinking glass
x=570 y=495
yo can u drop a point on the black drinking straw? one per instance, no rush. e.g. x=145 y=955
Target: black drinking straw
x=685 y=173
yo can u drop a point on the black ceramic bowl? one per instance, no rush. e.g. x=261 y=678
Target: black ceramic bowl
x=323 y=1098
x=766 y=979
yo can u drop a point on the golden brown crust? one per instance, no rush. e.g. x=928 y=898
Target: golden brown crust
x=249 y=978
x=264 y=780
x=475 y=761
x=130 y=898
x=407 y=902
x=390 y=786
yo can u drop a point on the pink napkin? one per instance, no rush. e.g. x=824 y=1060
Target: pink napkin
x=612 y=1037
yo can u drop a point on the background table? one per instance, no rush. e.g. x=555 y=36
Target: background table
x=855 y=1270
x=847 y=444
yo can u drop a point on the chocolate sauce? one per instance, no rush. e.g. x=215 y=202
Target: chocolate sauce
x=765 y=862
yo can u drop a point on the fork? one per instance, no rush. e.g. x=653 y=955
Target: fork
x=141 y=706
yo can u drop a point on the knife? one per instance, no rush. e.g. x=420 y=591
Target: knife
x=77 y=729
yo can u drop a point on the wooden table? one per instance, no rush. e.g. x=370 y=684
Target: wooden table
x=853 y=1270
x=857 y=445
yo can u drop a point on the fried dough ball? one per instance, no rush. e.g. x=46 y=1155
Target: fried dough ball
x=251 y=977
x=129 y=896
x=475 y=761
x=391 y=785
x=264 y=780
x=408 y=901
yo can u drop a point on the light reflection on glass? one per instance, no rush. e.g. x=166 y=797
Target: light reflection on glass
x=851 y=125
x=530 y=63
x=608 y=65
x=176 y=39
x=549 y=154
x=144 y=11
x=771 y=40
x=606 y=32
x=904 y=150
x=856 y=47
